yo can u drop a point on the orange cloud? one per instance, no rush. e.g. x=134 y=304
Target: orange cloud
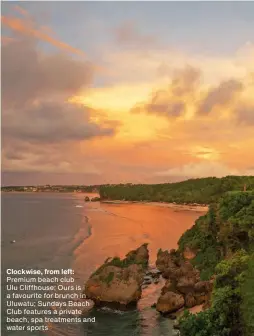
x=26 y=27
x=21 y=10
x=167 y=138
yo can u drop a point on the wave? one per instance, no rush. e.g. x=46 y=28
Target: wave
x=83 y=234
x=111 y=310
x=68 y=249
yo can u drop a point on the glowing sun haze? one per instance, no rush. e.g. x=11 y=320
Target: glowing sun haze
x=109 y=92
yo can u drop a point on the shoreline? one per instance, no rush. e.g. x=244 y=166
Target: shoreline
x=180 y=207
x=177 y=206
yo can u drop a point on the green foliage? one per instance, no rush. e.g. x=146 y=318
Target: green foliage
x=224 y=316
x=121 y=263
x=109 y=278
x=202 y=190
x=201 y=238
x=223 y=241
x=226 y=228
x=206 y=260
x=236 y=212
x=206 y=323
x=247 y=292
x=232 y=203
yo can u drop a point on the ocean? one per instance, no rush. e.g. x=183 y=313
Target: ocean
x=61 y=231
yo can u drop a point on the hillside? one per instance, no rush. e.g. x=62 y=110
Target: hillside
x=223 y=242
x=201 y=190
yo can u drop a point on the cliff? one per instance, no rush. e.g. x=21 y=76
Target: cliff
x=222 y=243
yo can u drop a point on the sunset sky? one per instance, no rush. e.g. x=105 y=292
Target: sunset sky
x=142 y=92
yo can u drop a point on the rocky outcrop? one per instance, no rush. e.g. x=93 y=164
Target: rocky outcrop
x=183 y=280
x=170 y=302
x=118 y=282
x=95 y=199
x=140 y=255
x=170 y=286
x=173 y=265
x=152 y=276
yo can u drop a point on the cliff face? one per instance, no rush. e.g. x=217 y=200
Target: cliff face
x=118 y=282
x=223 y=244
x=183 y=287
x=225 y=229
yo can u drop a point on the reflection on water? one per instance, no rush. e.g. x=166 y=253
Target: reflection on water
x=62 y=231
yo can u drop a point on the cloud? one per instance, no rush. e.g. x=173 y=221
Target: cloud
x=55 y=120
x=51 y=122
x=33 y=74
x=128 y=34
x=220 y=96
x=21 y=10
x=171 y=102
x=41 y=130
x=204 y=169
x=26 y=26
x=185 y=80
x=245 y=114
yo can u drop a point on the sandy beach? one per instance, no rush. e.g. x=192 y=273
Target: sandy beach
x=177 y=207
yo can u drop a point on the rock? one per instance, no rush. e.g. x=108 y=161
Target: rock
x=172 y=316
x=190 y=300
x=203 y=290
x=176 y=332
x=201 y=298
x=185 y=285
x=203 y=287
x=140 y=255
x=173 y=265
x=154 y=273
x=119 y=281
x=147 y=282
x=87 y=199
x=182 y=280
x=170 y=302
x=95 y=199
x=170 y=286
x=162 y=260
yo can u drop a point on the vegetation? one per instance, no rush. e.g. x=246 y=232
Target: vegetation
x=201 y=191
x=247 y=292
x=122 y=263
x=223 y=240
x=224 y=317
x=51 y=188
x=108 y=278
